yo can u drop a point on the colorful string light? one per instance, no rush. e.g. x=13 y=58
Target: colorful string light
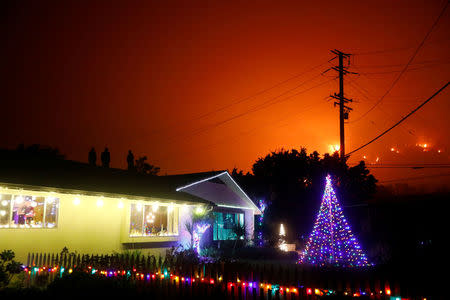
x=165 y=275
x=332 y=242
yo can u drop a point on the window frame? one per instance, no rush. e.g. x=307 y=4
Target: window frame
x=44 y=213
x=223 y=212
x=176 y=210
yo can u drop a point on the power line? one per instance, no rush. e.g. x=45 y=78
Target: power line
x=382 y=51
x=405 y=165
x=408 y=167
x=236 y=137
x=304 y=109
x=401 y=120
x=356 y=87
x=406 y=66
x=410 y=69
x=416 y=178
x=424 y=62
x=249 y=97
x=409 y=164
x=260 y=92
x=263 y=105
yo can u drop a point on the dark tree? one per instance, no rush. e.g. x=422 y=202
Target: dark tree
x=292 y=183
x=33 y=152
x=145 y=168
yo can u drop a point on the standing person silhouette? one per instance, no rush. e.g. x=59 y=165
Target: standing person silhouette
x=130 y=160
x=92 y=157
x=106 y=158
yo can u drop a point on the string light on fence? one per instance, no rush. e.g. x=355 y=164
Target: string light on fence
x=144 y=276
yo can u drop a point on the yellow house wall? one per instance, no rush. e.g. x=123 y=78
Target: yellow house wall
x=85 y=228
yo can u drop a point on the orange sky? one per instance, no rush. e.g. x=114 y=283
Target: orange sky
x=143 y=77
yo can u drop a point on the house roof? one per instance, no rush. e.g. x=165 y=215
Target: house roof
x=77 y=177
x=50 y=174
x=221 y=189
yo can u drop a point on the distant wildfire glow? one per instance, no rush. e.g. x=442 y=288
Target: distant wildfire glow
x=334 y=148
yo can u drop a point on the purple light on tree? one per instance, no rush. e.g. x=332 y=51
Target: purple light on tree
x=262 y=208
x=198 y=233
x=332 y=242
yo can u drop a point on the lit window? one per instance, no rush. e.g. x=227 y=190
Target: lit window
x=153 y=220
x=23 y=211
x=5 y=209
x=136 y=220
x=224 y=224
x=51 y=212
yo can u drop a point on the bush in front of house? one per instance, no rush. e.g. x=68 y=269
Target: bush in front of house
x=8 y=267
x=265 y=253
x=182 y=256
x=227 y=252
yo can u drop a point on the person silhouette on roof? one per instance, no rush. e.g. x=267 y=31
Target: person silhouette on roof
x=92 y=157
x=106 y=158
x=130 y=160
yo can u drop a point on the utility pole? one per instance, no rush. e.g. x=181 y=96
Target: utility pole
x=342 y=101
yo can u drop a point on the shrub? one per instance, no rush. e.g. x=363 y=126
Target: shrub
x=182 y=256
x=8 y=267
x=265 y=253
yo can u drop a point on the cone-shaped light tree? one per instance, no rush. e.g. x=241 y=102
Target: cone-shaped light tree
x=332 y=242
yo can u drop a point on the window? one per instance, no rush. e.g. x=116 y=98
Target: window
x=224 y=223
x=5 y=208
x=18 y=211
x=153 y=220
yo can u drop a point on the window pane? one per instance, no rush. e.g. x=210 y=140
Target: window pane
x=224 y=223
x=241 y=219
x=28 y=212
x=155 y=220
x=136 y=220
x=51 y=212
x=218 y=225
x=5 y=208
x=172 y=220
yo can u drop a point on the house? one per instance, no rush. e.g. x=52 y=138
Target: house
x=47 y=205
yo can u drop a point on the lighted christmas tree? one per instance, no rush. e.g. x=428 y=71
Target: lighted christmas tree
x=332 y=242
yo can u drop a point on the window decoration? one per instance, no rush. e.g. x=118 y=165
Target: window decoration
x=153 y=220
x=224 y=223
x=25 y=211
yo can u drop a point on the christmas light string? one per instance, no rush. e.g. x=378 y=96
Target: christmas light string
x=262 y=207
x=166 y=275
x=331 y=241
